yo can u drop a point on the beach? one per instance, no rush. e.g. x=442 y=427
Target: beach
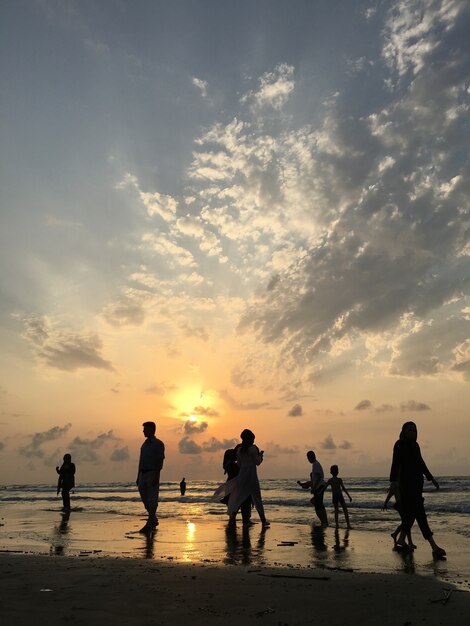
x=92 y=568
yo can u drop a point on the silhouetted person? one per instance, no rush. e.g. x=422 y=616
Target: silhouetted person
x=232 y=470
x=66 y=481
x=183 y=486
x=152 y=454
x=393 y=491
x=337 y=487
x=316 y=484
x=406 y=474
x=246 y=484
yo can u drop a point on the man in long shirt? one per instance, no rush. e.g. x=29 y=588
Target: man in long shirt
x=152 y=454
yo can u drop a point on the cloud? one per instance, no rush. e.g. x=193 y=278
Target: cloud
x=119 y=455
x=382 y=408
x=274 y=88
x=34 y=447
x=214 y=445
x=295 y=411
x=2 y=445
x=382 y=195
x=160 y=389
x=412 y=405
x=363 y=405
x=274 y=449
x=84 y=450
x=328 y=443
x=188 y=446
x=124 y=312
x=241 y=406
x=345 y=445
x=194 y=331
x=205 y=410
x=201 y=85
x=67 y=351
x=191 y=428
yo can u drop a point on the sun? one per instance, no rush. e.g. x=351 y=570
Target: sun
x=192 y=418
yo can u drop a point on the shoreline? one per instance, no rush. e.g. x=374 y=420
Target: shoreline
x=31 y=531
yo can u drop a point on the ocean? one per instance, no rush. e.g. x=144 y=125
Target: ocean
x=448 y=508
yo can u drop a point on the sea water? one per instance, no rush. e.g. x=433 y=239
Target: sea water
x=448 y=508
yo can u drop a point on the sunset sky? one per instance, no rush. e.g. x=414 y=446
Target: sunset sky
x=223 y=214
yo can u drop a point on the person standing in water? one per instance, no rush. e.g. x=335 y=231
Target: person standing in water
x=152 y=454
x=66 y=481
x=337 y=487
x=316 y=484
x=183 y=486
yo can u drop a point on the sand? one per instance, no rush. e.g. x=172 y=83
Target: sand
x=100 y=570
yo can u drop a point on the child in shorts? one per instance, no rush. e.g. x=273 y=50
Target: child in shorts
x=337 y=488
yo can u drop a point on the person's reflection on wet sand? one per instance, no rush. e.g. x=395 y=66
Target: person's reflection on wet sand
x=149 y=545
x=59 y=535
x=238 y=546
x=341 y=545
x=320 y=549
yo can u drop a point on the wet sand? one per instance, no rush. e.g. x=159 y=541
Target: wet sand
x=99 y=569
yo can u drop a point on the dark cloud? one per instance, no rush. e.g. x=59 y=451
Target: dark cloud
x=191 y=428
x=363 y=405
x=412 y=405
x=328 y=443
x=296 y=411
x=188 y=446
x=2 y=445
x=34 y=449
x=120 y=454
x=65 y=351
x=464 y=368
x=345 y=445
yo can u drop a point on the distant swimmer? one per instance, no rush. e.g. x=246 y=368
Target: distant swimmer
x=66 y=481
x=152 y=454
x=183 y=486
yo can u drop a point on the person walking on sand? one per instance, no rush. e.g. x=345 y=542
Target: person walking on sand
x=406 y=475
x=246 y=484
x=66 y=481
x=316 y=484
x=183 y=486
x=152 y=454
x=337 y=487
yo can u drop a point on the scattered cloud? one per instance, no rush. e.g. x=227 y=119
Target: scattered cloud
x=205 y=410
x=188 y=446
x=274 y=449
x=412 y=405
x=191 y=428
x=363 y=405
x=241 y=406
x=85 y=450
x=67 y=351
x=328 y=443
x=201 y=85
x=295 y=411
x=119 y=455
x=214 y=445
x=34 y=447
x=345 y=445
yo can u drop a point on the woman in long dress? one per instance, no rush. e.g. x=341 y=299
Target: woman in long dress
x=406 y=474
x=246 y=484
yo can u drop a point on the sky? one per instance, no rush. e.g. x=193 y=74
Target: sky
x=221 y=214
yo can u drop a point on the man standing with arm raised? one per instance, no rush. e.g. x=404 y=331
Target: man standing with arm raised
x=152 y=454
x=317 y=485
